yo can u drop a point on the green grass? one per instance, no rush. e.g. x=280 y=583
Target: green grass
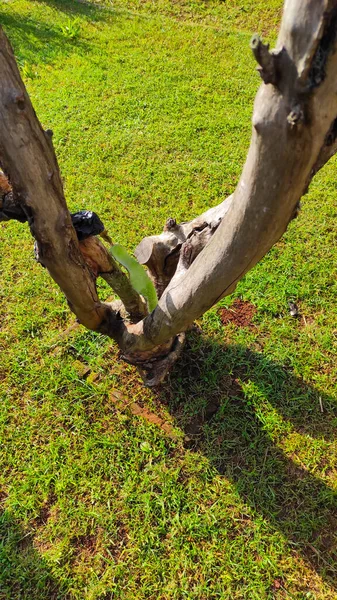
x=150 y=103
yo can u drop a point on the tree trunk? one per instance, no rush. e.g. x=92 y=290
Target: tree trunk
x=192 y=264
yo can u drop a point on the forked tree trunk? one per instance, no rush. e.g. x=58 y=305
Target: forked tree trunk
x=193 y=264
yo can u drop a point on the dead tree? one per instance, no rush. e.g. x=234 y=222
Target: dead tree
x=197 y=263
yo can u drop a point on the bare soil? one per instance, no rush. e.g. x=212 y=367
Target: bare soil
x=241 y=313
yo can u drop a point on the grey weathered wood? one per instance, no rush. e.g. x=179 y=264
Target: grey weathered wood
x=290 y=125
x=161 y=253
x=27 y=155
x=268 y=61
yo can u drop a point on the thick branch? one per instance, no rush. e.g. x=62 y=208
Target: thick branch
x=28 y=159
x=291 y=125
x=282 y=155
x=95 y=254
x=27 y=156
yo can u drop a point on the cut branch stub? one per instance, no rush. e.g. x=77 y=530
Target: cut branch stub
x=296 y=116
x=267 y=60
x=161 y=253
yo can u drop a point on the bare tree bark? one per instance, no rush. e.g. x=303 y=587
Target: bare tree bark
x=102 y=264
x=27 y=156
x=161 y=253
x=193 y=264
x=291 y=121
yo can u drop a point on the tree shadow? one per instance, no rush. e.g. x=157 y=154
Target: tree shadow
x=23 y=573
x=39 y=42
x=227 y=400
x=95 y=11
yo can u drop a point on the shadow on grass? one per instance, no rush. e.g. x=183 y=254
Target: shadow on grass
x=80 y=8
x=23 y=573
x=224 y=399
x=38 y=42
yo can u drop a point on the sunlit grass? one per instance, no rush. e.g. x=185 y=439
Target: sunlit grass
x=150 y=104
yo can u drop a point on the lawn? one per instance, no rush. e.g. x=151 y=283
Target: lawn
x=222 y=483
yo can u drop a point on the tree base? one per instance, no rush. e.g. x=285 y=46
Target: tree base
x=154 y=370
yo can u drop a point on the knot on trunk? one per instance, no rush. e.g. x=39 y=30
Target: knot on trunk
x=296 y=116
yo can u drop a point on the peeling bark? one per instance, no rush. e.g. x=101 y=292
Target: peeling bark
x=102 y=264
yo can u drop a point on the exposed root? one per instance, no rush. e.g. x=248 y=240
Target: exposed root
x=154 y=370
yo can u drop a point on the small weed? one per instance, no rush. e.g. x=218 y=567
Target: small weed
x=28 y=70
x=71 y=29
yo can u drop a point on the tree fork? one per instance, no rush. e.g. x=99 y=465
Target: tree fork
x=294 y=134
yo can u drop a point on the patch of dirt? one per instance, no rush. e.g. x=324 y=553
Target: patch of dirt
x=43 y=516
x=85 y=544
x=241 y=313
x=124 y=404
x=307 y=321
x=45 y=511
x=42 y=545
x=117 y=546
x=278 y=588
x=88 y=547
